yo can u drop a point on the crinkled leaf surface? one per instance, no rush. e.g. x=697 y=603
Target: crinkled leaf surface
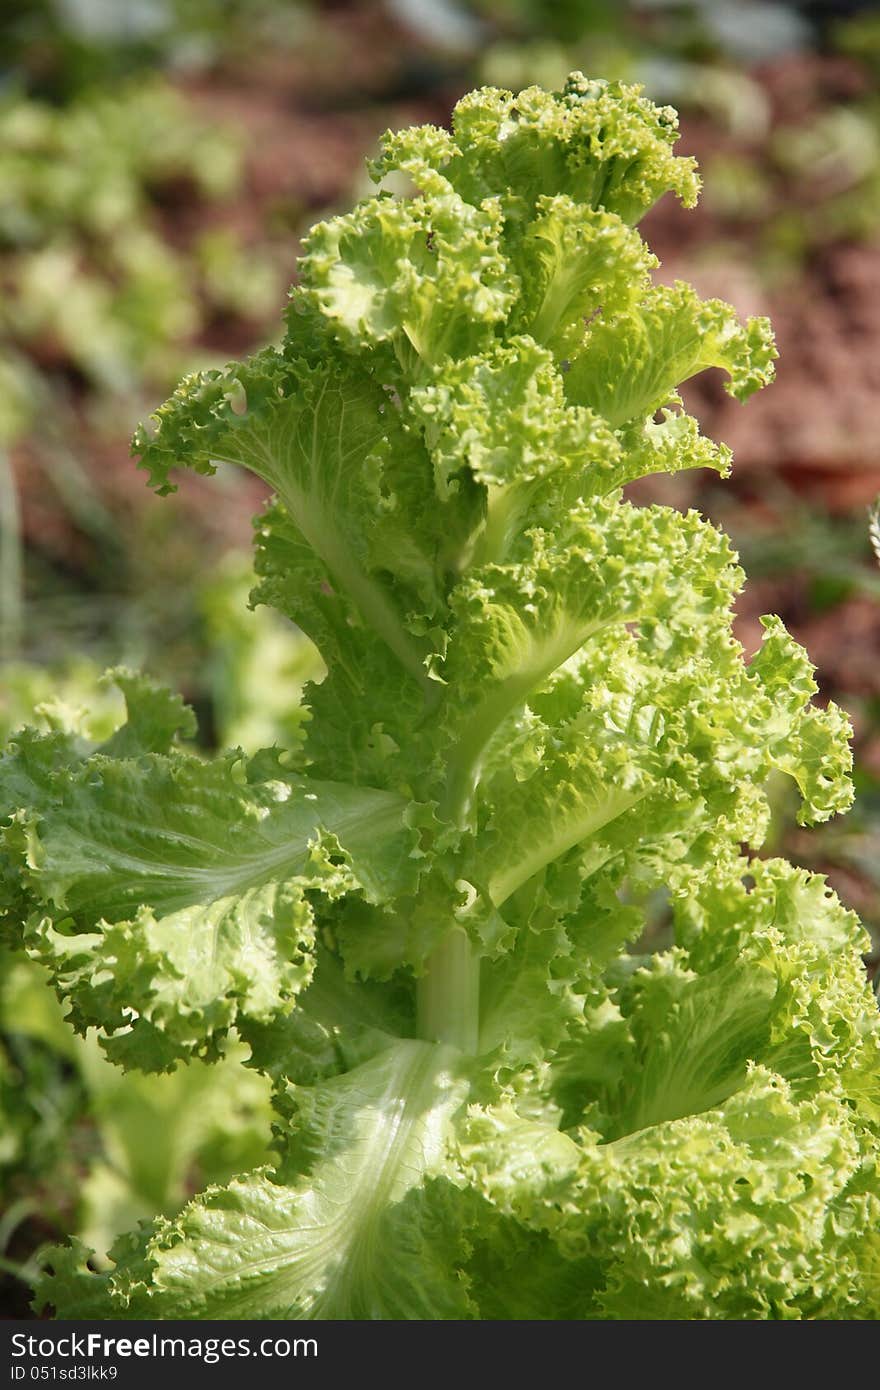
x=342 y=1229
x=168 y=895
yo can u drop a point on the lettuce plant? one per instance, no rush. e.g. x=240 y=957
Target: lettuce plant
x=547 y=1040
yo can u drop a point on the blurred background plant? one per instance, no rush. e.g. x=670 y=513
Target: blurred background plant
x=158 y=161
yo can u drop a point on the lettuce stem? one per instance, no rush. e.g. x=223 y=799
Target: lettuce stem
x=449 y=995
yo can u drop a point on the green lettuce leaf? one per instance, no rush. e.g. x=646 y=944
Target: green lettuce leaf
x=342 y=1228
x=755 y=1209
x=581 y=262
x=601 y=144
x=631 y=363
x=426 y=276
x=168 y=895
x=322 y=443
